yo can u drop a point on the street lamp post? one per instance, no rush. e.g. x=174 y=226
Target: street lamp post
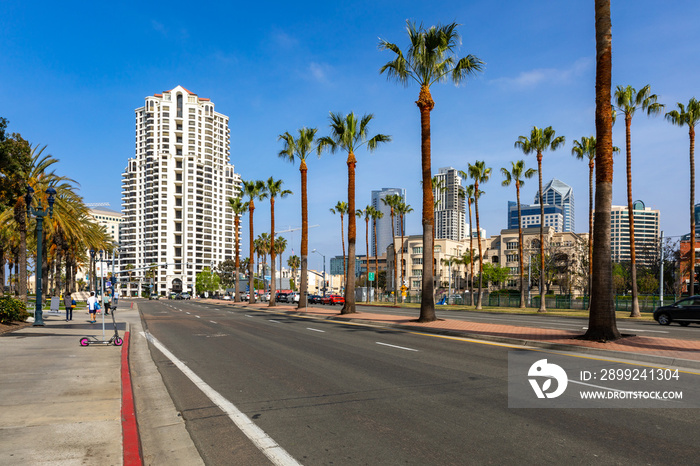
x=324 y=271
x=92 y=275
x=39 y=213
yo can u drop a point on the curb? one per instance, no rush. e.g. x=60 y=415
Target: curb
x=130 y=432
x=640 y=357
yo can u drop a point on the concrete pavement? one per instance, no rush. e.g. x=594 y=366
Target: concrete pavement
x=62 y=403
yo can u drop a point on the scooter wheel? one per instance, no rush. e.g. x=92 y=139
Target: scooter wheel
x=118 y=341
x=84 y=341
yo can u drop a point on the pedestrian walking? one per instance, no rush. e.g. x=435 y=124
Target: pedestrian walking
x=108 y=304
x=92 y=307
x=68 y=302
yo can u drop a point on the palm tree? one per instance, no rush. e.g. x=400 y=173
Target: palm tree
x=470 y=193
x=262 y=249
x=367 y=214
x=516 y=174
x=480 y=174
x=300 y=148
x=294 y=263
x=239 y=208
x=376 y=215
x=280 y=247
x=401 y=210
x=392 y=200
x=349 y=134
x=252 y=190
x=601 y=318
x=585 y=150
x=627 y=101
x=273 y=189
x=341 y=208
x=430 y=58
x=540 y=141
x=690 y=116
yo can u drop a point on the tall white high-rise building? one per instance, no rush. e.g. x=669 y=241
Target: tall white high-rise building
x=384 y=234
x=646 y=233
x=175 y=191
x=450 y=208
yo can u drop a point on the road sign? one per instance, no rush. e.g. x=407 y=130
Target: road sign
x=108 y=284
x=371 y=276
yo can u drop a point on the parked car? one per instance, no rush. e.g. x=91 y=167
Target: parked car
x=333 y=299
x=291 y=297
x=185 y=296
x=280 y=297
x=227 y=297
x=265 y=297
x=153 y=296
x=314 y=299
x=685 y=312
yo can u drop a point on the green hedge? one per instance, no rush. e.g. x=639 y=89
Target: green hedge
x=12 y=310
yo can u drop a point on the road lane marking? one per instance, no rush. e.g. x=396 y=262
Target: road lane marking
x=212 y=321
x=394 y=346
x=188 y=313
x=275 y=321
x=198 y=317
x=315 y=330
x=248 y=315
x=276 y=454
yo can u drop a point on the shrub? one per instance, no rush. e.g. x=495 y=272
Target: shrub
x=12 y=310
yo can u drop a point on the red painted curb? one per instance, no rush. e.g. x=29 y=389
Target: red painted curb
x=130 y=431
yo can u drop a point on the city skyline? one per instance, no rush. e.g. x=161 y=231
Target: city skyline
x=77 y=96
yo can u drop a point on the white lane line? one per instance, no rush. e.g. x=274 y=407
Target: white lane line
x=248 y=315
x=264 y=442
x=212 y=321
x=275 y=321
x=315 y=330
x=198 y=317
x=187 y=313
x=394 y=346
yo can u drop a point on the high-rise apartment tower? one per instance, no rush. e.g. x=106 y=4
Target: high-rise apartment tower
x=561 y=194
x=450 y=213
x=384 y=235
x=175 y=192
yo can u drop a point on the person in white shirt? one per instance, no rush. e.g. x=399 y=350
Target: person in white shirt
x=92 y=307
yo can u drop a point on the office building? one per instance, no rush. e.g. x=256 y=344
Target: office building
x=175 y=191
x=553 y=216
x=646 y=233
x=450 y=205
x=384 y=233
x=560 y=194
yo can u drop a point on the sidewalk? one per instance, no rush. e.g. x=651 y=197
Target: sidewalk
x=66 y=404
x=663 y=351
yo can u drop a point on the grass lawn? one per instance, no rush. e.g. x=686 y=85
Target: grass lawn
x=620 y=315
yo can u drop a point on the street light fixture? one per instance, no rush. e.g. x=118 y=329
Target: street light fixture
x=324 y=270
x=39 y=213
x=92 y=275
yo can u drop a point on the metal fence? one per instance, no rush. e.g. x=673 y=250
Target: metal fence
x=647 y=303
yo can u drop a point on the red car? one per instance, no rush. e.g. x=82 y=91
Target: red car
x=333 y=299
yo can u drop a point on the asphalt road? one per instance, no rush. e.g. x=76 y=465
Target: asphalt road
x=641 y=328
x=336 y=393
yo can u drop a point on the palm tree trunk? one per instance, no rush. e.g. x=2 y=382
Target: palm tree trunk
x=590 y=232
x=427 y=306
x=543 y=307
x=691 y=134
x=2 y=271
x=601 y=321
x=376 y=258
x=393 y=249
x=237 y=244
x=20 y=218
x=303 y=282
x=349 y=307
x=251 y=262
x=402 y=265
x=630 y=218
x=471 y=257
x=478 y=240
x=520 y=248
x=367 y=256
x=273 y=272
x=342 y=241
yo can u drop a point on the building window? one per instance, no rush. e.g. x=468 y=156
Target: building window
x=512 y=245
x=418 y=250
x=179 y=105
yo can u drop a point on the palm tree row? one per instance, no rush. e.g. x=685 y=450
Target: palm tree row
x=68 y=234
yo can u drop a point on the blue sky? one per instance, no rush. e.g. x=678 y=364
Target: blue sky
x=72 y=73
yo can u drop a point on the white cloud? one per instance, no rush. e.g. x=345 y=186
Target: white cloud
x=319 y=72
x=534 y=78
